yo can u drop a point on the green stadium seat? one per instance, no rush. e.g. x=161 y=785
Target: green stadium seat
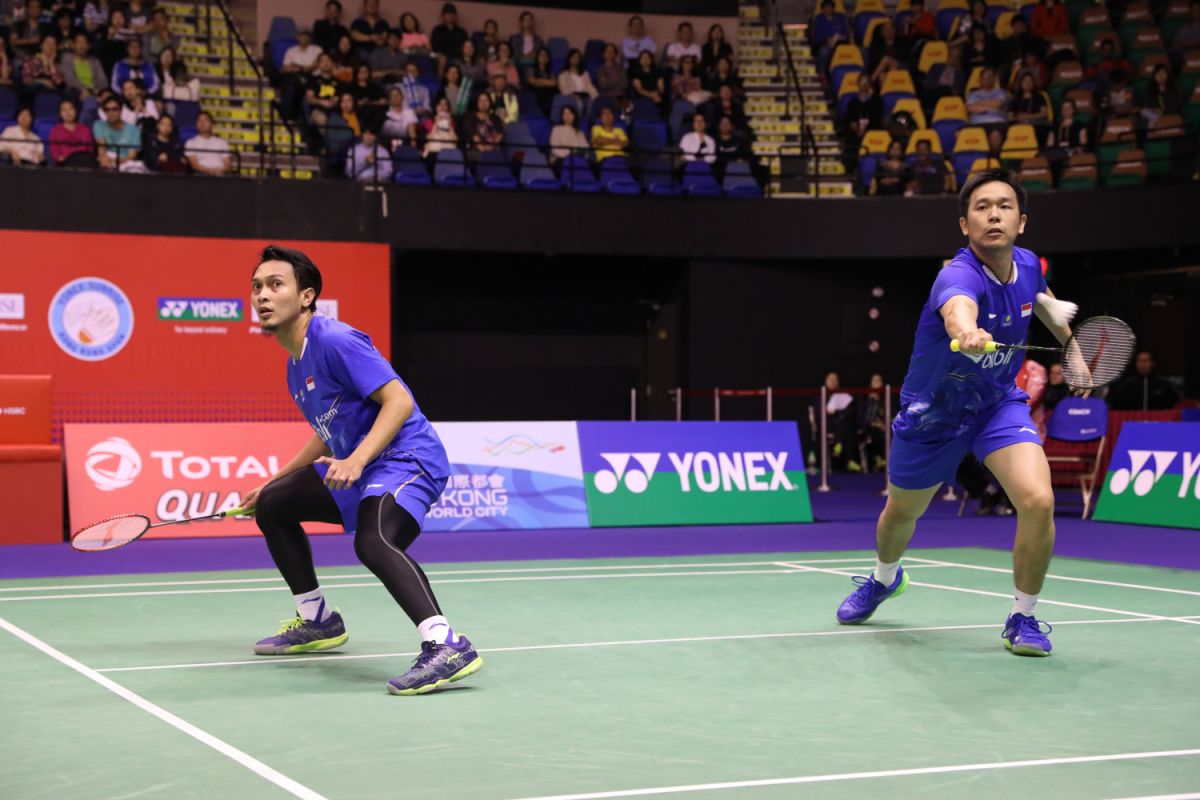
x=1129 y=169
x=1080 y=173
x=1161 y=138
x=1035 y=175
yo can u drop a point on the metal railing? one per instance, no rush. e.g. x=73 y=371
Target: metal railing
x=808 y=141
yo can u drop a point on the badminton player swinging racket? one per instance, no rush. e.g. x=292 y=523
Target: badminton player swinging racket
x=375 y=465
x=954 y=403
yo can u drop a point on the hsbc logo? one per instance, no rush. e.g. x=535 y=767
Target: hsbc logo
x=1146 y=468
x=12 y=306
x=701 y=471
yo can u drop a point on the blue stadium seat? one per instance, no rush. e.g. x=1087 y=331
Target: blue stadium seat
x=185 y=134
x=8 y=103
x=493 y=171
x=540 y=130
x=527 y=105
x=962 y=163
x=279 y=48
x=868 y=163
x=576 y=174
x=451 y=169
x=947 y=130
x=282 y=28
x=558 y=47
x=185 y=113
x=593 y=51
x=861 y=21
x=644 y=110
x=681 y=116
x=45 y=105
x=945 y=20
x=698 y=180
x=42 y=128
x=739 y=182
x=426 y=69
x=537 y=175
x=658 y=178
x=518 y=140
x=650 y=137
x=616 y=178
x=562 y=100
x=410 y=170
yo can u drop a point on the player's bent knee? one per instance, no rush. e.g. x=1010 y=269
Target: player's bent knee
x=370 y=548
x=1039 y=503
x=270 y=506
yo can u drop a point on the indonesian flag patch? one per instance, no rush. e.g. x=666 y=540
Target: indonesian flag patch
x=1026 y=310
x=309 y=383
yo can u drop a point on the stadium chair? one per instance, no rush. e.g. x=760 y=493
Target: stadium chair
x=1003 y=25
x=935 y=143
x=1147 y=41
x=698 y=180
x=1035 y=175
x=1067 y=75
x=995 y=9
x=1092 y=23
x=1145 y=71
x=973 y=80
x=42 y=128
x=869 y=32
x=1020 y=143
x=1081 y=172
x=1062 y=47
x=8 y=103
x=450 y=169
x=847 y=88
x=658 y=178
x=1191 y=112
x=1175 y=17
x=185 y=113
x=282 y=28
x=738 y=181
x=649 y=137
x=539 y=129
x=1085 y=105
x=896 y=84
x=1095 y=46
x=913 y=106
x=616 y=178
x=932 y=53
x=1129 y=170
x=279 y=48
x=864 y=12
x=1165 y=133
x=45 y=105
x=969 y=146
x=872 y=149
x=644 y=110
x=559 y=47
x=537 y=175
x=560 y=102
x=981 y=165
x=949 y=117
x=1137 y=15
x=1119 y=135
x=575 y=173
x=492 y=170
x=846 y=58
x=680 y=121
x=410 y=170
x=518 y=140
x=593 y=51
x=528 y=106
x=947 y=14
x=1074 y=446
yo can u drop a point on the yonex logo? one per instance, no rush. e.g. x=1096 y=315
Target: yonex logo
x=1143 y=477
x=200 y=309
x=635 y=481
x=112 y=464
x=707 y=472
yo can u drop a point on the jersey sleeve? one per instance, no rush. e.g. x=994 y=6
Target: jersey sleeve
x=354 y=362
x=952 y=280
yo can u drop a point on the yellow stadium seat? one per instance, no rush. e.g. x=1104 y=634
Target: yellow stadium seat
x=952 y=107
x=1021 y=143
x=1004 y=25
x=912 y=106
x=982 y=164
x=875 y=142
x=945 y=5
x=849 y=83
x=869 y=33
x=924 y=136
x=898 y=81
x=974 y=79
x=932 y=53
x=846 y=55
x=869 y=5
x=972 y=139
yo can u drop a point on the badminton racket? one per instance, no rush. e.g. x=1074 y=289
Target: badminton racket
x=119 y=531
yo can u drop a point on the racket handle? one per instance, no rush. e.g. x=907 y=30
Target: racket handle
x=990 y=347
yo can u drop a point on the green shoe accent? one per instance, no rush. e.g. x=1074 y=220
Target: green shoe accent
x=467 y=671
x=1025 y=651
x=319 y=644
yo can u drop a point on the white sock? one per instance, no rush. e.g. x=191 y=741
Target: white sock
x=311 y=606
x=437 y=630
x=885 y=573
x=1024 y=603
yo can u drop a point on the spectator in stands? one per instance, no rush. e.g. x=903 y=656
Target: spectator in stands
x=920 y=23
x=888 y=51
x=321 y=96
x=892 y=174
x=472 y=64
x=447 y=39
x=1118 y=103
x=139 y=107
x=1028 y=104
x=724 y=74
x=71 y=143
x=929 y=173
x=20 y=143
x=456 y=90
x=345 y=59
x=329 y=30
x=1067 y=137
x=206 y=153
x=525 y=42
x=400 y=122
x=369 y=161
x=611 y=80
x=133 y=67
x=343 y=127
x=864 y=112
x=114 y=44
x=1144 y=390
x=873 y=426
x=637 y=42
x=840 y=421
x=441 y=134
x=987 y=104
x=388 y=62
x=731 y=146
x=173 y=77
x=503 y=63
x=369 y=99
x=416 y=96
x=369 y=30
x=491 y=40
x=715 y=47
x=725 y=105
x=139 y=16
x=977 y=18
x=483 y=129
x=696 y=144
x=1109 y=63
x=683 y=46
x=1056 y=387
x=608 y=139
x=5 y=65
x=980 y=51
x=1161 y=96
x=40 y=72
x=646 y=81
x=1029 y=65
x=828 y=30
x=412 y=40
x=1021 y=43
x=576 y=80
x=95 y=16
x=505 y=104
x=685 y=84
x=29 y=31
x=1188 y=37
x=118 y=143
x=299 y=62
x=64 y=29
x=163 y=151
x=540 y=80
x=566 y=139
x=944 y=80
x=1050 y=19
x=159 y=36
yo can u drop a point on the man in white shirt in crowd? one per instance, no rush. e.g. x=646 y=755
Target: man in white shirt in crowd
x=301 y=57
x=206 y=153
x=698 y=145
x=684 y=45
x=369 y=161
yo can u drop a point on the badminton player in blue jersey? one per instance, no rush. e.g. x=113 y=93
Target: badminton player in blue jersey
x=374 y=464
x=953 y=403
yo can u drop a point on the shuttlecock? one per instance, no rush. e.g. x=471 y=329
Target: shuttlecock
x=1061 y=311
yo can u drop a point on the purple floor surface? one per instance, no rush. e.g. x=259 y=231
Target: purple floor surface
x=845 y=521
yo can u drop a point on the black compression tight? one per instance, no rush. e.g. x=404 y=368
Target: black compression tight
x=384 y=533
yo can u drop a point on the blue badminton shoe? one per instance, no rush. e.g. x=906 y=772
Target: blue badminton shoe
x=1023 y=635
x=862 y=602
x=298 y=635
x=437 y=666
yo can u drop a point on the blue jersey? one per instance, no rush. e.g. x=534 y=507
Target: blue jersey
x=332 y=383
x=946 y=393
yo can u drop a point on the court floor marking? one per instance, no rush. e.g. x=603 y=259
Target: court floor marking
x=1187 y=796
x=986 y=593
x=853 y=776
x=844 y=631
x=204 y=737
x=1095 y=581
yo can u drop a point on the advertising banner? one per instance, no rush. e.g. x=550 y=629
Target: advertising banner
x=1154 y=476
x=510 y=475
x=672 y=473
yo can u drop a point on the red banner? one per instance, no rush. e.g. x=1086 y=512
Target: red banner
x=174 y=472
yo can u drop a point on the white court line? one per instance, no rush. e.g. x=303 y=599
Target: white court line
x=1189 y=796
x=1095 y=581
x=576 y=645
x=202 y=736
x=854 y=776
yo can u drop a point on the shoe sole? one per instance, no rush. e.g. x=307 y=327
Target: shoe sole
x=309 y=647
x=468 y=670
x=1025 y=650
x=899 y=591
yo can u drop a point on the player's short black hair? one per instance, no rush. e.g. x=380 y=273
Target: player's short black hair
x=990 y=176
x=306 y=272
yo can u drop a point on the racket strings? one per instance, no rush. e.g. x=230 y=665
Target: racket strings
x=1098 y=352
x=110 y=533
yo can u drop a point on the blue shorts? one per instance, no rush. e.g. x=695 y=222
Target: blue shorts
x=922 y=465
x=413 y=489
